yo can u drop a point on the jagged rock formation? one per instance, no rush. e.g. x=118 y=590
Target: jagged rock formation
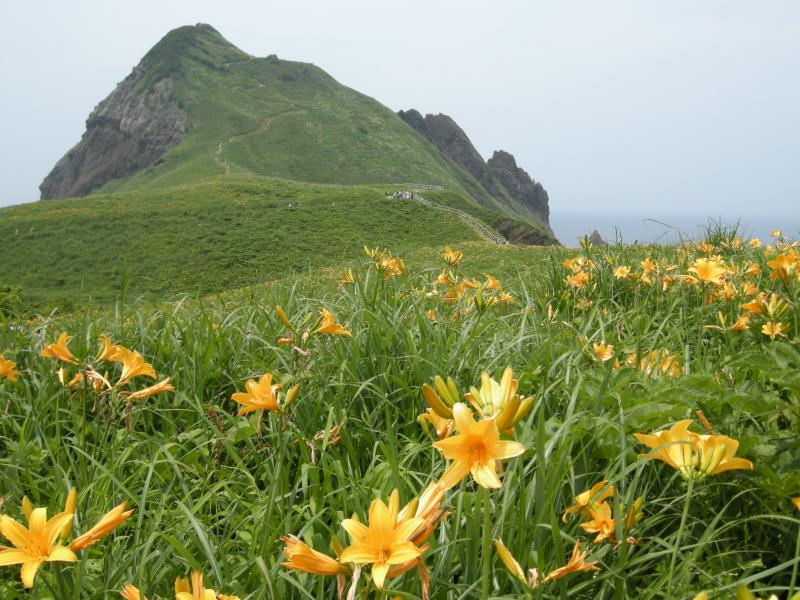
x=126 y=132
x=596 y=239
x=500 y=176
x=503 y=168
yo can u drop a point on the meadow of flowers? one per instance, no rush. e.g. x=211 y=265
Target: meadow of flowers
x=618 y=422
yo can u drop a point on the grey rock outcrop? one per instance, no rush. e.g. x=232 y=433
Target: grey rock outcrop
x=503 y=168
x=125 y=133
x=596 y=239
x=499 y=176
x=446 y=135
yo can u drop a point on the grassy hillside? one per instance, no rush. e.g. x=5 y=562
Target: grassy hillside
x=202 y=237
x=286 y=119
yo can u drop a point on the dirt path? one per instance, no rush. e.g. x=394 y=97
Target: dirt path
x=217 y=154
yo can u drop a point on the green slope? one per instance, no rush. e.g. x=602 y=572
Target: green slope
x=204 y=237
x=286 y=119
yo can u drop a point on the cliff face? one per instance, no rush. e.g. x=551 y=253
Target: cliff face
x=126 y=132
x=500 y=176
x=503 y=168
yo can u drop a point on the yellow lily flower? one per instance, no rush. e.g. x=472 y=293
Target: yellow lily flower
x=622 y=272
x=451 y=257
x=796 y=502
x=603 y=352
x=506 y=298
x=783 y=266
x=775 y=307
x=476 y=449
x=59 y=350
x=756 y=305
x=282 y=316
x=600 y=522
x=159 y=388
x=347 y=278
x=710 y=270
x=110 y=521
x=390 y=267
x=35 y=544
x=261 y=395
x=576 y=564
x=442 y=425
x=383 y=542
x=97 y=381
x=133 y=365
x=742 y=323
x=588 y=499
x=130 y=592
x=329 y=326
x=773 y=329
x=8 y=369
x=69 y=507
x=426 y=507
x=500 y=400
x=509 y=561
x=693 y=455
x=197 y=591
x=656 y=363
x=491 y=283
x=754 y=243
x=579 y=280
x=634 y=514
x=301 y=557
x=108 y=349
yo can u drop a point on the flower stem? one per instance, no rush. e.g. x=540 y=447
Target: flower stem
x=485 y=543
x=793 y=580
x=676 y=548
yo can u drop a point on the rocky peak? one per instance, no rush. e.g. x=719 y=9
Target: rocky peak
x=446 y=135
x=416 y=120
x=500 y=176
x=126 y=132
x=503 y=167
x=596 y=239
x=133 y=127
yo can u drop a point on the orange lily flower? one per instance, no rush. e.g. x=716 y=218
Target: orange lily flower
x=261 y=395
x=159 y=388
x=600 y=522
x=589 y=499
x=8 y=369
x=301 y=557
x=576 y=564
x=110 y=521
x=59 y=350
x=133 y=365
x=329 y=325
x=693 y=455
x=35 y=544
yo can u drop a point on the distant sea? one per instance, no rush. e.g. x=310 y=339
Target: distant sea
x=664 y=229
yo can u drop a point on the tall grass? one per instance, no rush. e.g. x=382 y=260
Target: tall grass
x=212 y=493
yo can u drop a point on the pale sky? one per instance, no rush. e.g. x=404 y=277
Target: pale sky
x=685 y=106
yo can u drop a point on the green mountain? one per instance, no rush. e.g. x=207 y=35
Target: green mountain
x=197 y=107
